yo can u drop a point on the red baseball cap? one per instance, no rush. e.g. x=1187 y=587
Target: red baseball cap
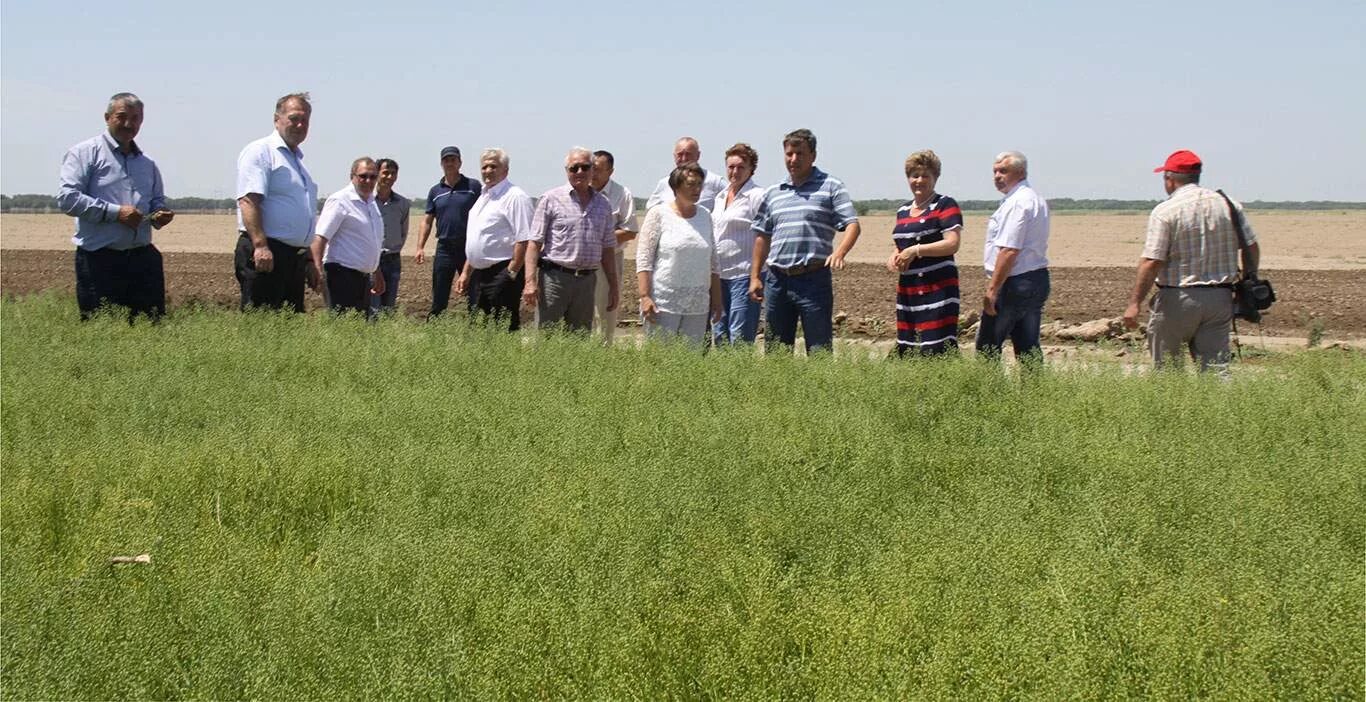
x=1182 y=161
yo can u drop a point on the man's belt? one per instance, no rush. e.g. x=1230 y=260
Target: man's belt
x=576 y=272
x=1196 y=285
x=389 y=255
x=791 y=271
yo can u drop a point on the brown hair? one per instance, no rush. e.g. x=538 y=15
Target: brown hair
x=681 y=174
x=927 y=160
x=746 y=152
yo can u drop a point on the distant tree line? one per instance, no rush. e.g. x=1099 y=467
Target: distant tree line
x=37 y=202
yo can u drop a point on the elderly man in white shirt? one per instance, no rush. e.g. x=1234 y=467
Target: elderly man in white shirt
x=349 y=236
x=495 y=244
x=1015 y=260
x=624 y=216
x=686 y=150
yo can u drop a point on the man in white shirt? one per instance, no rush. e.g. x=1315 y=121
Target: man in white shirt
x=350 y=234
x=686 y=150
x=495 y=246
x=624 y=216
x=1015 y=260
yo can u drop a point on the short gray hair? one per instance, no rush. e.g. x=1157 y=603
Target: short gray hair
x=301 y=98
x=495 y=153
x=577 y=151
x=117 y=99
x=1183 y=178
x=363 y=160
x=1017 y=160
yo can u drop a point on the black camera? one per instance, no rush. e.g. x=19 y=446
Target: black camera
x=1250 y=297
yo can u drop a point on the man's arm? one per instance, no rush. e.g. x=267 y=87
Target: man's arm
x=315 y=250
x=250 y=207
x=73 y=199
x=661 y=195
x=1148 y=268
x=1252 y=258
x=609 y=268
x=627 y=219
x=851 y=234
x=1005 y=261
x=422 y=233
x=156 y=207
x=530 y=289
x=756 y=282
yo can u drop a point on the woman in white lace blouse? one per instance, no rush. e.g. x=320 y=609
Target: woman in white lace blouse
x=676 y=262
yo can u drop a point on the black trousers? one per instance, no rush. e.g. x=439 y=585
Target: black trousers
x=282 y=287
x=347 y=289
x=446 y=265
x=132 y=278
x=494 y=293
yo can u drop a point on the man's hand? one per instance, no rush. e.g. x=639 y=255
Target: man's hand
x=161 y=218
x=421 y=256
x=756 y=289
x=130 y=217
x=530 y=294
x=1131 y=316
x=648 y=309
x=835 y=261
x=989 y=304
x=377 y=284
x=263 y=259
x=613 y=296
x=313 y=276
x=717 y=311
x=461 y=283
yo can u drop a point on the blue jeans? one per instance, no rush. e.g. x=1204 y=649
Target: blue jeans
x=739 y=314
x=1019 y=313
x=446 y=265
x=391 y=267
x=809 y=298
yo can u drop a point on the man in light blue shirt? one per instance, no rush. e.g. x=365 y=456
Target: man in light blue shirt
x=277 y=201
x=115 y=193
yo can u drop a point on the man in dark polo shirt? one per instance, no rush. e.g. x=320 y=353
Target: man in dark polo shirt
x=448 y=205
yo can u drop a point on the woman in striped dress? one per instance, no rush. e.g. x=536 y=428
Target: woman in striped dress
x=926 y=237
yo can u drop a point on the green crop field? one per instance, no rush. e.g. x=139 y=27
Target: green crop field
x=342 y=510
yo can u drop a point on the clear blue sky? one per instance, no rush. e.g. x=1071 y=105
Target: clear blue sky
x=1095 y=94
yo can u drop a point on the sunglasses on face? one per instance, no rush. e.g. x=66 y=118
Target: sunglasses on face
x=579 y=168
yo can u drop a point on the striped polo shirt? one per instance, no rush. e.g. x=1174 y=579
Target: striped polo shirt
x=802 y=220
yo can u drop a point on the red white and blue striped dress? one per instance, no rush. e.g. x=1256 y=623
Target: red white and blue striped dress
x=927 y=292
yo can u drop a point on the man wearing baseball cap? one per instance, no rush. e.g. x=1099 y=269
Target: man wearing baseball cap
x=448 y=205
x=1192 y=253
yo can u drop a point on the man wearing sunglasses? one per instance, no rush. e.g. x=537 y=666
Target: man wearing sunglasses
x=573 y=233
x=350 y=233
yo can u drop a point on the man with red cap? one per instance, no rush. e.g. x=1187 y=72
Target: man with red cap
x=1192 y=253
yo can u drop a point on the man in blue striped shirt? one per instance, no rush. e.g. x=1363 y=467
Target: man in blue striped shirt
x=794 y=247
x=116 y=195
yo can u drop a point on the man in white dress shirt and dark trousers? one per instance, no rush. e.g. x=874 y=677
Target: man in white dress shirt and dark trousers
x=495 y=244
x=348 y=242
x=1015 y=259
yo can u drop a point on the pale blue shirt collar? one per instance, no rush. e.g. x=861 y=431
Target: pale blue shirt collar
x=114 y=146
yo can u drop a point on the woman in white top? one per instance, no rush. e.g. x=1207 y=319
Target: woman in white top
x=676 y=262
x=732 y=219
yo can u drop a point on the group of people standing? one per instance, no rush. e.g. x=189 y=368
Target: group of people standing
x=713 y=251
